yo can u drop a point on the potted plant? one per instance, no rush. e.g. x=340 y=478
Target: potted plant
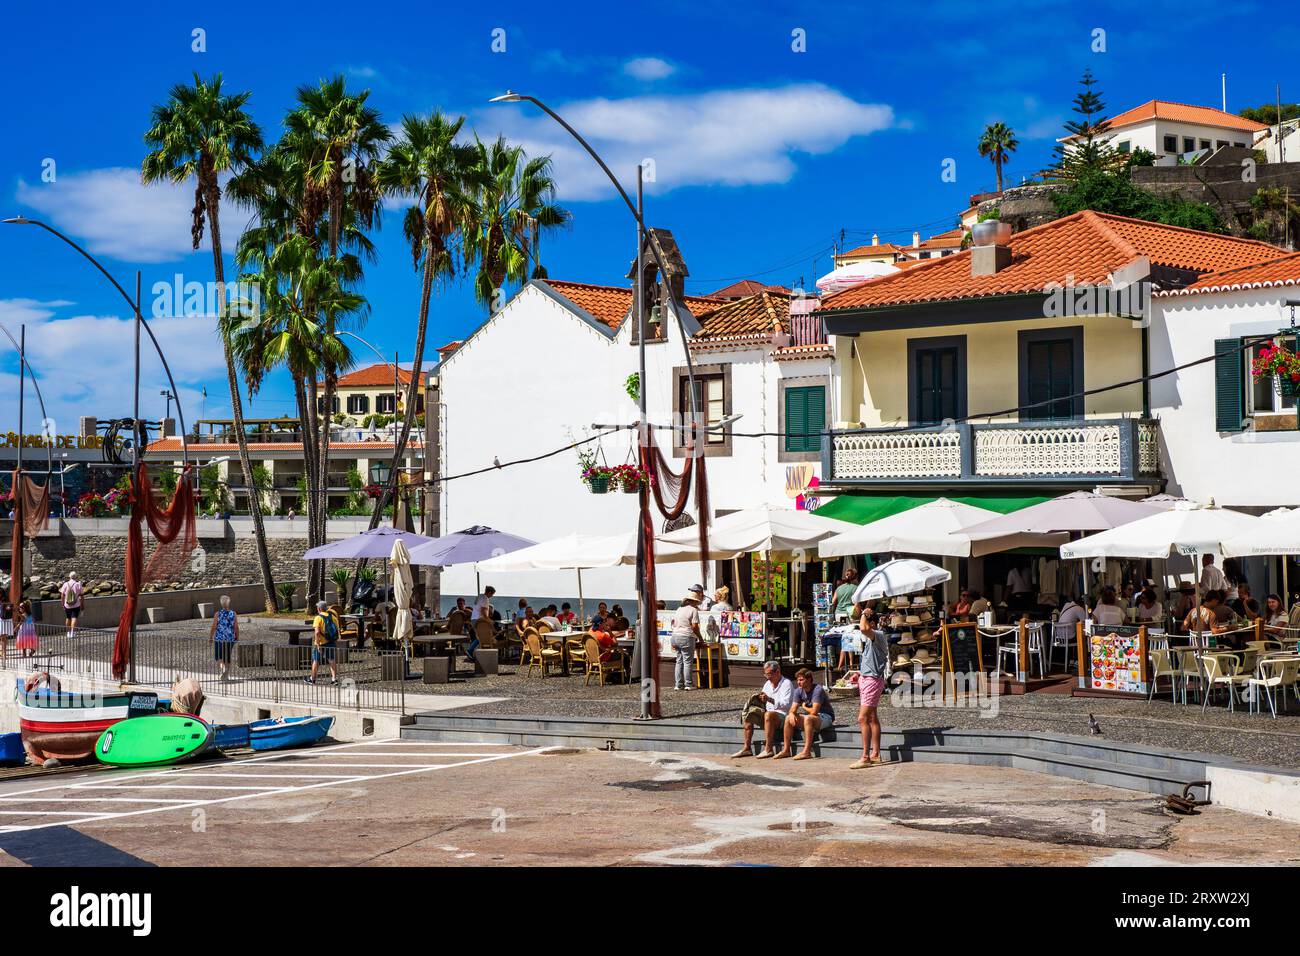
x=340 y=577
x=629 y=478
x=1280 y=362
x=287 y=591
x=598 y=478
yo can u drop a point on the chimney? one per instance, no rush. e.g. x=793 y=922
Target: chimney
x=89 y=426
x=169 y=428
x=991 y=249
x=916 y=240
x=875 y=239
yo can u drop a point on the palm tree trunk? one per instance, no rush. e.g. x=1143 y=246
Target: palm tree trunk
x=236 y=405
x=998 y=164
x=331 y=378
x=412 y=393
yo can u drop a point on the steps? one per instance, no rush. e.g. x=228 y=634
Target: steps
x=1129 y=766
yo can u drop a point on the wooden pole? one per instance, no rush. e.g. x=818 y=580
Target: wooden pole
x=1083 y=658
x=1022 y=652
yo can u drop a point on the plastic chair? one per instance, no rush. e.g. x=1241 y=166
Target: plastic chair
x=1279 y=672
x=1064 y=637
x=1162 y=665
x=1221 y=671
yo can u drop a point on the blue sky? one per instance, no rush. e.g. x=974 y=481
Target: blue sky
x=762 y=154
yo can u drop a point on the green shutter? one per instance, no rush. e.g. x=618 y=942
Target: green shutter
x=805 y=417
x=1229 y=385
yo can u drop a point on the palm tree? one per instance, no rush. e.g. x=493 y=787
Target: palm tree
x=201 y=132
x=428 y=165
x=998 y=143
x=341 y=139
x=515 y=202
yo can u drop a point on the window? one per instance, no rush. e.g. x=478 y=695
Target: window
x=358 y=404
x=1205 y=144
x=320 y=405
x=1124 y=146
x=1263 y=396
x=386 y=403
x=1220 y=143
x=712 y=405
x=1051 y=372
x=803 y=416
x=1239 y=144
x=1171 y=144
x=936 y=379
x=1189 y=144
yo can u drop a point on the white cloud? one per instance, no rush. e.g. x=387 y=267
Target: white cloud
x=84 y=364
x=725 y=137
x=113 y=214
x=649 y=68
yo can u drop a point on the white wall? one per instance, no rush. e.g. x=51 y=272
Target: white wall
x=1246 y=468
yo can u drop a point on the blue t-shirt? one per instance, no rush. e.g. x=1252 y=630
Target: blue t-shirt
x=225 y=625
x=818 y=696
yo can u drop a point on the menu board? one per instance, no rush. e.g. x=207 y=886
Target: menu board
x=823 y=618
x=1116 y=662
x=742 y=633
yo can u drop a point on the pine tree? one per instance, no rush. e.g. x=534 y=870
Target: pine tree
x=1089 y=149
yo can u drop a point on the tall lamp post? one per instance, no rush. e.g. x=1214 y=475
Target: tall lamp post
x=647 y=640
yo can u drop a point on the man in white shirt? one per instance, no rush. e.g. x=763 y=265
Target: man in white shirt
x=1212 y=578
x=776 y=696
x=1020 y=590
x=482 y=609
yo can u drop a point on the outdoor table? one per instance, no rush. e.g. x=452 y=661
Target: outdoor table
x=295 y=631
x=360 y=621
x=449 y=642
x=563 y=637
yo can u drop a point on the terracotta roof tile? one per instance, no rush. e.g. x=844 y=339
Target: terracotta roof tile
x=756 y=315
x=1084 y=248
x=1182 y=113
x=1284 y=270
x=376 y=376
x=883 y=249
x=610 y=304
x=738 y=290
x=174 y=445
x=816 y=350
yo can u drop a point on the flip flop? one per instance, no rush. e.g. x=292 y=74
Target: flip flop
x=802 y=756
x=780 y=756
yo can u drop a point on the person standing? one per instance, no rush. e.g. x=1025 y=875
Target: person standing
x=70 y=592
x=1212 y=578
x=871 y=684
x=224 y=633
x=27 y=641
x=482 y=609
x=685 y=632
x=1020 y=590
x=324 y=640
x=843 y=596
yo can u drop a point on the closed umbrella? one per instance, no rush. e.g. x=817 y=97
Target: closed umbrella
x=403 y=625
x=900 y=576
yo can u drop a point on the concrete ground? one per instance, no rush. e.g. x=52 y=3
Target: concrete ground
x=397 y=802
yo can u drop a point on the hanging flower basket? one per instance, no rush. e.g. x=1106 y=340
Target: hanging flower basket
x=598 y=478
x=1281 y=363
x=630 y=478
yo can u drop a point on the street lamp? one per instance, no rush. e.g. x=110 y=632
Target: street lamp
x=645 y=541
x=397 y=385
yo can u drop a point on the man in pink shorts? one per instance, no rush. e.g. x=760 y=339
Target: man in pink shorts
x=871 y=684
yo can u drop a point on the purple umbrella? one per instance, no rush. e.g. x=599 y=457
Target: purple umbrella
x=468 y=547
x=375 y=543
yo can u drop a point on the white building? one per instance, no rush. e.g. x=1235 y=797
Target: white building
x=1170 y=130
x=556 y=359
x=1226 y=435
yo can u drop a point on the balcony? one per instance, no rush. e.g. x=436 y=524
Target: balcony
x=1112 y=451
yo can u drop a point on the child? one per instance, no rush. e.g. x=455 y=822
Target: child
x=27 y=641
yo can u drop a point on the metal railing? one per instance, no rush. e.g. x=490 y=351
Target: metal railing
x=1116 y=450
x=262 y=670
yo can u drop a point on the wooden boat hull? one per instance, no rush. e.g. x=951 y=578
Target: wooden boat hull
x=284 y=732
x=65 y=726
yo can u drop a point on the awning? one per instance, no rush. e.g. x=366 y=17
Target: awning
x=865 y=508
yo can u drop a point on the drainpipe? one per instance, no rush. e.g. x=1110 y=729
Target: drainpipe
x=1146 y=370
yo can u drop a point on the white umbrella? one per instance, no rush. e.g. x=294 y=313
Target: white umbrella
x=400 y=562
x=782 y=533
x=846 y=277
x=1181 y=530
x=940 y=527
x=1277 y=533
x=1077 y=511
x=900 y=576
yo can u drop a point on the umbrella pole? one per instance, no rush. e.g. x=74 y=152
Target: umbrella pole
x=582 y=605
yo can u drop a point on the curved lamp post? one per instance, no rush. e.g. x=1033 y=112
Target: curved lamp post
x=648 y=643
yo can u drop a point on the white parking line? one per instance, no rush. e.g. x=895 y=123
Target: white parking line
x=305 y=759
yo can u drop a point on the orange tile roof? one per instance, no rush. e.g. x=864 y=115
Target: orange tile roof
x=816 y=350
x=610 y=304
x=756 y=316
x=174 y=445
x=744 y=287
x=376 y=376
x=883 y=249
x=1084 y=248
x=1181 y=113
x=945 y=240
x=1284 y=270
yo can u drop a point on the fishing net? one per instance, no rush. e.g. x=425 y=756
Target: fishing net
x=31 y=514
x=173 y=528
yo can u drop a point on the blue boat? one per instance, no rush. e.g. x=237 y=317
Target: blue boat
x=281 y=732
x=230 y=736
x=12 y=753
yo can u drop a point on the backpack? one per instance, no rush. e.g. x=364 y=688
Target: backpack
x=331 y=630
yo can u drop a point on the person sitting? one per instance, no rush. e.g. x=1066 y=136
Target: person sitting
x=1244 y=605
x=1274 y=615
x=1107 y=613
x=1223 y=611
x=811 y=710
x=768 y=708
x=1205 y=618
x=606 y=639
x=721 y=599
x=1148 y=608
x=960 y=610
x=616 y=611
x=550 y=618
x=978 y=604
x=616 y=626
x=566 y=615
x=522 y=611
x=602 y=612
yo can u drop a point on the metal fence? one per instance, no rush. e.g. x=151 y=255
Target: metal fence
x=367 y=679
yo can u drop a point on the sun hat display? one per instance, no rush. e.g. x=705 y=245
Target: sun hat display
x=897 y=620
x=913 y=619
x=907 y=639
x=902 y=660
x=923 y=656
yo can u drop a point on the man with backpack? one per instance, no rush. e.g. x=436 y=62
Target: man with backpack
x=324 y=640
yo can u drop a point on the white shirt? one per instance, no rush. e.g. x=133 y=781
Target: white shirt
x=1070 y=614
x=1151 y=613
x=1212 y=579
x=780 y=695
x=683 y=618
x=1108 y=615
x=551 y=622
x=1018 y=582
x=482 y=608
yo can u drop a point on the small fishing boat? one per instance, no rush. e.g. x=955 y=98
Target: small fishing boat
x=157 y=739
x=58 y=725
x=230 y=736
x=281 y=732
x=12 y=753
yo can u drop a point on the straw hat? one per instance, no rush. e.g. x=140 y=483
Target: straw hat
x=921 y=599
x=926 y=617
x=923 y=656
x=907 y=639
x=913 y=619
x=902 y=659
x=694 y=593
x=901 y=601
x=925 y=637
x=897 y=620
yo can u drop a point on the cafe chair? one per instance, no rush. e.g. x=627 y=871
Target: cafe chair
x=1065 y=637
x=1221 y=670
x=1163 y=665
x=577 y=649
x=456 y=622
x=538 y=656
x=1279 y=672
x=598 y=667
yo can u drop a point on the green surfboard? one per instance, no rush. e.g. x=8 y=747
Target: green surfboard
x=161 y=738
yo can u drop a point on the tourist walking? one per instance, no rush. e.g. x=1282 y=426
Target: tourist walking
x=224 y=633
x=325 y=640
x=27 y=640
x=70 y=592
x=871 y=684
x=685 y=632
